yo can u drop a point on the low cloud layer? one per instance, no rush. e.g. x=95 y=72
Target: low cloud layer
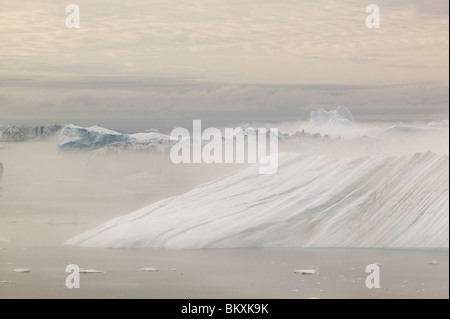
x=162 y=63
x=251 y=41
x=139 y=103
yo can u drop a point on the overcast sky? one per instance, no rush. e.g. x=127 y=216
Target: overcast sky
x=154 y=59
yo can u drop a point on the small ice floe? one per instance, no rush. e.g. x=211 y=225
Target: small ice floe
x=148 y=269
x=306 y=272
x=91 y=271
x=15 y=221
x=4 y=240
x=173 y=269
x=5 y=282
x=295 y=291
x=433 y=262
x=314 y=298
x=22 y=270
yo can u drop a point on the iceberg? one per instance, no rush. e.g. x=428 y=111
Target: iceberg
x=74 y=137
x=94 y=137
x=439 y=124
x=148 y=269
x=306 y=272
x=340 y=116
x=22 y=270
x=91 y=271
x=13 y=133
x=312 y=201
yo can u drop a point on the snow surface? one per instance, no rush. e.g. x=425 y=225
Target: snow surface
x=339 y=116
x=312 y=201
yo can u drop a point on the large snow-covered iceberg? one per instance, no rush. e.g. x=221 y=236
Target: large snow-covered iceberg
x=312 y=201
x=76 y=137
x=339 y=116
x=95 y=137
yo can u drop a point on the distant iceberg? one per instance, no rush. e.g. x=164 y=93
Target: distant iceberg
x=14 y=133
x=440 y=124
x=312 y=201
x=74 y=137
x=340 y=116
x=94 y=137
x=104 y=141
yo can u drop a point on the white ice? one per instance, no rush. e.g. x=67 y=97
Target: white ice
x=312 y=201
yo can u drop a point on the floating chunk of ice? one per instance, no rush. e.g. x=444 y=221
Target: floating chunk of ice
x=91 y=271
x=306 y=271
x=433 y=262
x=22 y=270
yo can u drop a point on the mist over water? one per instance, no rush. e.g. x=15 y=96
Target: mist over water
x=48 y=196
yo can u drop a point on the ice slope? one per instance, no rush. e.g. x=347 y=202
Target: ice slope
x=95 y=137
x=339 y=116
x=312 y=201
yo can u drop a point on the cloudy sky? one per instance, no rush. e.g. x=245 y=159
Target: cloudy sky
x=167 y=60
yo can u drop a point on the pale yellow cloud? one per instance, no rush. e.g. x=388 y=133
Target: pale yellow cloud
x=239 y=41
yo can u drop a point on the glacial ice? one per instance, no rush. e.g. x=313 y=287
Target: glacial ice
x=13 y=133
x=339 y=116
x=148 y=269
x=306 y=272
x=22 y=270
x=91 y=271
x=312 y=201
x=74 y=137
